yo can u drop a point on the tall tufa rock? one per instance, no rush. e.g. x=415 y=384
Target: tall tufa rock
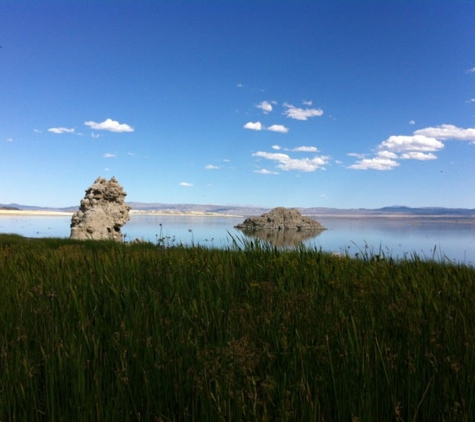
x=281 y=218
x=102 y=212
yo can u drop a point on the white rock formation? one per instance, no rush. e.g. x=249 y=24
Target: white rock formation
x=281 y=218
x=102 y=212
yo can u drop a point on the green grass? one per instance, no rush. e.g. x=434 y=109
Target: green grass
x=113 y=332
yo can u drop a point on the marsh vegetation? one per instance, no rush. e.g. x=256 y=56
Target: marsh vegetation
x=106 y=331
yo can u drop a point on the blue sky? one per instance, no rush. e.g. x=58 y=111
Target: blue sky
x=343 y=104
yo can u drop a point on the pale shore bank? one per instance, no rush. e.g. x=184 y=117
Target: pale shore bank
x=412 y=219
x=184 y=214
x=35 y=213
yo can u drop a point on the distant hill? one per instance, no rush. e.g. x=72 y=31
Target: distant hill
x=240 y=210
x=36 y=208
x=8 y=208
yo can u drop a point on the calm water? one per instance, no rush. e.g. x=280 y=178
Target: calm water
x=395 y=237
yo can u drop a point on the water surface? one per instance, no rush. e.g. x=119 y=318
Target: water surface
x=398 y=237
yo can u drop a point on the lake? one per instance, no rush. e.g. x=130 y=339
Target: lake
x=397 y=237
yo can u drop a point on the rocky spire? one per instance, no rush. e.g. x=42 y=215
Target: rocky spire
x=102 y=212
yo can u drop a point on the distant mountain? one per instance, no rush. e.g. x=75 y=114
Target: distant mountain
x=184 y=208
x=36 y=208
x=240 y=210
x=393 y=211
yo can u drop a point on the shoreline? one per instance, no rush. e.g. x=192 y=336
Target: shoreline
x=48 y=213
x=35 y=213
x=208 y=214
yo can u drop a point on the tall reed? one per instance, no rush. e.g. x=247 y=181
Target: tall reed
x=107 y=331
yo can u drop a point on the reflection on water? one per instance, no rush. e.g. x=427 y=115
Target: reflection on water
x=281 y=238
x=397 y=237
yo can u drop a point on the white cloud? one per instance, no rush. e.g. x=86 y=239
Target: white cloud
x=307 y=103
x=357 y=155
x=95 y=135
x=59 y=130
x=417 y=142
x=211 y=167
x=265 y=171
x=374 y=164
x=471 y=100
x=472 y=70
x=287 y=163
x=305 y=149
x=37 y=131
x=110 y=125
x=416 y=155
x=109 y=155
x=448 y=132
x=419 y=146
x=265 y=106
x=387 y=154
x=276 y=147
x=412 y=122
x=186 y=184
x=9 y=139
x=278 y=128
x=253 y=126
x=300 y=113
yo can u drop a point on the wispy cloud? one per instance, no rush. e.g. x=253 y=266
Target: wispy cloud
x=253 y=125
x=301 y=113
x=265 y=106
x=287 y=163
x=211 y=167
x=421 y=145
x=265 y=171
x=59 y=130
x=276 y=147
x=258 y=126
x=109 y=155
x=417 y=142
x=278 y=128
x=386 y=154
x=412 y=122
x=417 y=155
x=95 y=135
x=376 y=163
x=356 y=155
x=472 y=70
x=110 y=125
x=305 y=149
x=449 y=132
x=37 y=131
x=186 y=184
x=415 y=147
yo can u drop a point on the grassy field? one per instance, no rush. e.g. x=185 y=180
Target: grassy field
x=98 y=331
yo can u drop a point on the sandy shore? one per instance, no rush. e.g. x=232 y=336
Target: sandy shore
x=408 y=217
x=33 y=213
x=183 y=214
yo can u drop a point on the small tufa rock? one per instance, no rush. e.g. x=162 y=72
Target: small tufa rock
x=102 y=212
x=281 y=218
